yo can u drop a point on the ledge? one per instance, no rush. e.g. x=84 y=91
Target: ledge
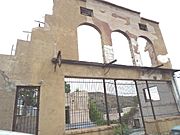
x=95 y=64
x=88 y=130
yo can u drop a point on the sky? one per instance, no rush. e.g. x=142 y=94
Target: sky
x=19 y=15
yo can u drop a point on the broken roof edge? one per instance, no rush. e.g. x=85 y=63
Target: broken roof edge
x=143 y=18
x=149 y=20
x=112 y=4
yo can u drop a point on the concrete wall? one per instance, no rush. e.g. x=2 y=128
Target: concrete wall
x=162 y=126
x=32 y=64
x=163 y=107
x=102 y=130
x=6 y=109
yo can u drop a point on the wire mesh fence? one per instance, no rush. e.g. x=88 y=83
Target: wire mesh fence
x=85 y=105
x=96 y=102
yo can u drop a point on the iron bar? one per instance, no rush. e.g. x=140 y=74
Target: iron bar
x=106 y=102
x=118 y=104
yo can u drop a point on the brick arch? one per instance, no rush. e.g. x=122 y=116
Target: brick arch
x=146 y=39
x=124 y=33
x=92 y=25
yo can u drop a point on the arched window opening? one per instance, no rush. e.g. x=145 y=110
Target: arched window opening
x=145 y=48
x=89 y=44
x=121 y=49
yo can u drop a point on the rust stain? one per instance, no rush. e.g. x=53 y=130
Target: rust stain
x=120 y=17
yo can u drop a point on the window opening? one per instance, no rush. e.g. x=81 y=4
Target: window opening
x=86 y=11
x=143 y=27
x=153 y=92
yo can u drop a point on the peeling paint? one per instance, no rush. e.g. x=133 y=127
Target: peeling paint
x=5 y=82
x=133 y=41
x=163 y=58
x=108 y=53
x=136 y=49
x=150 y=49
x=152 y=76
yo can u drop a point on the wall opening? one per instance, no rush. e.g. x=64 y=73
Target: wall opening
x=89 y=44
x=153 y=92
x=143 y=27
x=121 y=49
x=146 y=51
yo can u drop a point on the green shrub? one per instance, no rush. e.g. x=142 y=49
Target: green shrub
x=95 y=115
x=121 y=129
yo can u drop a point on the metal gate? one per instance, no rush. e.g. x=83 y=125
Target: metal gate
x=26 y=110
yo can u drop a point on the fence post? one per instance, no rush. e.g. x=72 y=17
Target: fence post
x=106 y=103
x=118 y=107
x=118 y=104
x=140 y=106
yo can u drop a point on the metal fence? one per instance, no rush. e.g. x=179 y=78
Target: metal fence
x=26 y=109
x=95 y=102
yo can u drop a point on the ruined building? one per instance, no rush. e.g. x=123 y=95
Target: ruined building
x=32 y=82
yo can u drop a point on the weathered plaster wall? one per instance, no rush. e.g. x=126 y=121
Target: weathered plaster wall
x=7 y=94
x=32 y=65
x=6 y=109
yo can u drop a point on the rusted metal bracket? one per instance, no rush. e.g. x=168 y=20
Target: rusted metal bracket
x=106 y=65
x=57 y=61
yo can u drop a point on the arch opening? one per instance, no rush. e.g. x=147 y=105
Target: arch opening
x=121 y=49
x=89 y=44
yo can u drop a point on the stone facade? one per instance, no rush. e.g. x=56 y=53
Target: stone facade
x=31 y=65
